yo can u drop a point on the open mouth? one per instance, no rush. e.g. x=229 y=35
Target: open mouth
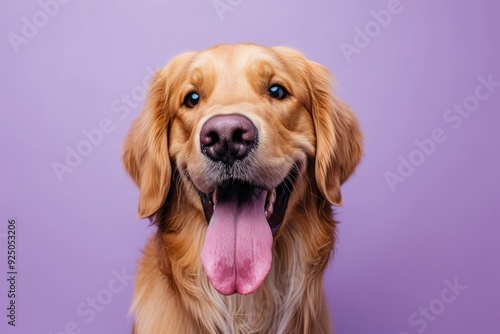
x=274 y=208
x=242 y=219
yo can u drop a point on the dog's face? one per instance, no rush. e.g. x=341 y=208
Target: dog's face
x=245 y=128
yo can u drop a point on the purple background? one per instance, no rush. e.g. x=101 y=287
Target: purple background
x=395 y=248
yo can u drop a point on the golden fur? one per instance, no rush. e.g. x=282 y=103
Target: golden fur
x=311 y=131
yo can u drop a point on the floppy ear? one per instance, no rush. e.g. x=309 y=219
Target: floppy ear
x=145 y=153
x=338 y=137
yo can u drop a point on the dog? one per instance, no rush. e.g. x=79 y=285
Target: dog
x=239 y=155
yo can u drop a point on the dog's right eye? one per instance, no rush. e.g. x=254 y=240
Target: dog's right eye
x=191 y=100
x=277 y=92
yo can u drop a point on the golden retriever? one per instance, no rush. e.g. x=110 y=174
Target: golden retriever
x=239 y=155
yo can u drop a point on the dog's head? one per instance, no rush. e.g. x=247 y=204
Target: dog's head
x=250 y=130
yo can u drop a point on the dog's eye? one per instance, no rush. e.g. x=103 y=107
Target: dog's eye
x=191 y=100
x=277 y=92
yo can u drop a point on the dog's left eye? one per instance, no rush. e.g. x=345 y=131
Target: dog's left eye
x=191 y=100
x=277 y=92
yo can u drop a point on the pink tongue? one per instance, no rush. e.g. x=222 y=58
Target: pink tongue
x=237 y=253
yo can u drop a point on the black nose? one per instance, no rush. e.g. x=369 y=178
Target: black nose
x=228 y=138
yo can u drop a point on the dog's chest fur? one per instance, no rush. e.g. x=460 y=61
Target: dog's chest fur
x=291 y=300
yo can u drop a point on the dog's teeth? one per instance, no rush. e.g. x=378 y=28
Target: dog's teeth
x=270 y=200
x=269 y=208
x=214 y=198
x=271 y=196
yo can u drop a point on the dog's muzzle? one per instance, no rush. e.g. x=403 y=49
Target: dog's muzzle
x=243 y=214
